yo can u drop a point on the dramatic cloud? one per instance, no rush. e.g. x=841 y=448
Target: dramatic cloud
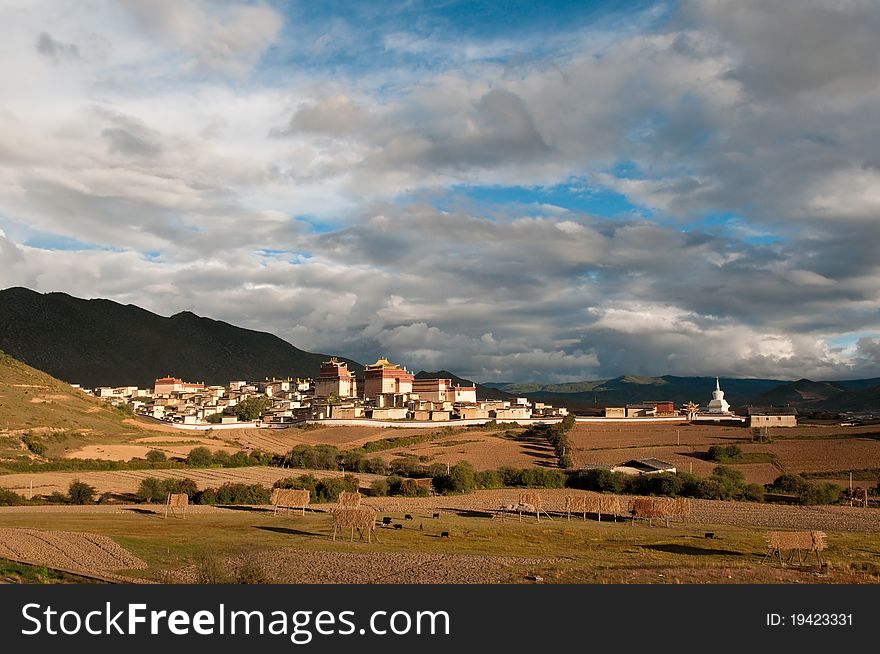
x=686 y=189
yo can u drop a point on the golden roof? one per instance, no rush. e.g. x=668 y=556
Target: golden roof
x=382 y=362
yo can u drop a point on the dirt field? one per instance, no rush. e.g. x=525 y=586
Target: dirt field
x=173 y=449
x=483 y=450
x=127 y=481
x=67 y=550
x=297 y=549
x=821 y=455
x=280 y=441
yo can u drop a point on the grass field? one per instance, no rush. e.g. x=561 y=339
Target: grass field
x=479 y=550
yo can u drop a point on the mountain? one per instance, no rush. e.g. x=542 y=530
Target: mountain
x=483 y=392
x=799 y=393
x=804 y=394
x=103 y=343
x=31 y=400
x=631 y=389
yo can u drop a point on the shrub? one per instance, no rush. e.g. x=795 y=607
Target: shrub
x=488 y=479
x=156 y=456
x=825 y=493
x=221 y=458
x=56 y=497
x=411 y=488
x=237 y=493
x=328 y=490
x=215 y=418
x=723 y=453
x=597 y=479
x=151 y=490
x=303 y=482
x=80 y=492
x=379 y=488
x=179 y=486
x=319 y=457
x=125 y=409
x=10 y=498
x=199 y=457
x=543 y=478
x=251 y=571
x=789 y=483
x=209 y=570
x=730 y=474
x=753 y=493
x=34 y=445
x=105 y=498
x=407 y=466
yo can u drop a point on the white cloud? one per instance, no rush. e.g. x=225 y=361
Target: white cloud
x=275 y=198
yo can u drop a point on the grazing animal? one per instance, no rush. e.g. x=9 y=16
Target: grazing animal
x=386 y=521
x=397 y=525
x=445 y=534
x=407 y=517
x=436 y=515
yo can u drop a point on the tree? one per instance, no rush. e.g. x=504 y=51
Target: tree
x=199 y=457
x=151 y=490
x=80 y=493
x=252 y=408
x=462 y=477
x=156 y=456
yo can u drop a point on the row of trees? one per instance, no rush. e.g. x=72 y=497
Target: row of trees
x=557 y=435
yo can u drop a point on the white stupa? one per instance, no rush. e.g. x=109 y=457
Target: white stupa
x=718 y=405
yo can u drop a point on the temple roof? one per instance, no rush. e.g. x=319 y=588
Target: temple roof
x=382 y=362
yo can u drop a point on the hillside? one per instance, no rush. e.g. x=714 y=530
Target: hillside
x=800 y=393
x=630 y=389
x=483 y=392
x=103 y=343
x=51 y=410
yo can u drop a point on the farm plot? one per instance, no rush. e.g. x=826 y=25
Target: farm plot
x=127 y=481
x=482 y=450
x=280 y=441
x=297 y=566
x=684 y=458
x=67 y=550
x=120 y=452
x=830 y=454
x=597 y=436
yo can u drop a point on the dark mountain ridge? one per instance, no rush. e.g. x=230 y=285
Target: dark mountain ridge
x=104 y=343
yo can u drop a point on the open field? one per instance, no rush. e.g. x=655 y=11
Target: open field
x=127 y=481
x=280 y=441
x=483 y=450
x=297 y=549
x=126 y=452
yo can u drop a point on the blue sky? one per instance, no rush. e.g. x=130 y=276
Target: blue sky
x=510 y=190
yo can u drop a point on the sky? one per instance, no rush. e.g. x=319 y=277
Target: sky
x=513 y=191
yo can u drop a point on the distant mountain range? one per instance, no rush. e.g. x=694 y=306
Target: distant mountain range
x=100 y=342
x=103 y=343
x=850 y=395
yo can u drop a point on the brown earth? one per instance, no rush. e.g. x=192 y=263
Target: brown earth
x=127 y=481
x=280 y=441
x=485 y=451
x=67 y=550
x=296 y=566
